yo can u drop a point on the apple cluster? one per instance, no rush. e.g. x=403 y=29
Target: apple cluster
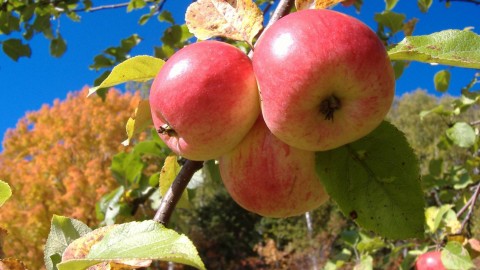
x=318 y=80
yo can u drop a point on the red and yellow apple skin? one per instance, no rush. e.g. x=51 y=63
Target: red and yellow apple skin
x=204 y=100
x=325 y=79
x=431 y=260
x=270 y=178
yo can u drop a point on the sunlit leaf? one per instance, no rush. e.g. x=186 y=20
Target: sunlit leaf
x=315 y=4
x=136 y=242
x=390 y=4
x=140 y=69
x=392 y=20
x=455 y=256
x=449 y=47
x=441 y=80
x=434 y=215
x=170 y=170
x=5 y=192
x=63 y=231
x=235 y=19
x=140 y=120
x=376 y=182
x=424 y=5
x=462 y=134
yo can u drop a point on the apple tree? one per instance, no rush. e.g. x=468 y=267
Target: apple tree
x=364 y=163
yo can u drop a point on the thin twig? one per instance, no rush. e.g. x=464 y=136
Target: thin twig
x=475 y=2
x=171 y=198
x=472 y=201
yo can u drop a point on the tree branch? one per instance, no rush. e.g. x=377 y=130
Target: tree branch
x=475 y=2
x=471 y=205
x=171 y=198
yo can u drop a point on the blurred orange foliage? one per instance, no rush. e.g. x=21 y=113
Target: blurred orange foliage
x=57 y=161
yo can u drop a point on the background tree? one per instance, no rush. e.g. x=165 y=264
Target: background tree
x=58 y=161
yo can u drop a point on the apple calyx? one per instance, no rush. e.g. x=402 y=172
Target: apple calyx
x=166 y=130
x=329 y=105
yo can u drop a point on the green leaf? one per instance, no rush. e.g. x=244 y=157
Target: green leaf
x=136 y=4
x=176 y=35
x=434 y=216
x=375 y=181
x=140 y=69
x=392 y=20
x=58 y=46
x=450 y=47
x=390 y=4
x=8 y=22
x=109 y=206
x=455 y=256
x=5 y=192
x=15 y=49
x=63 y=231
x=365 y=263
x=141 y=119
x=166 y=16
x=170 y=170
x=424 y=5
x=462 y=134
x=398 y=68
x=441 y=80
x=139 y=240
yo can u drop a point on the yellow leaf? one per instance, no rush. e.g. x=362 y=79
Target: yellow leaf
x=141 y=119
x=315 y=4
x=140 y=68
x=170 y=170
x=235 y=19
x=80 y=248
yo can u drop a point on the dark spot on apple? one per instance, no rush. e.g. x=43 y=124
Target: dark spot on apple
x=403 y=163
x=166 y=130
x=328 y=107
x=353 y=215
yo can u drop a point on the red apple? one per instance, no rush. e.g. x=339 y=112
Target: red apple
x=270 y=178
x=430 y=261
x=205 y=99
x=325 y=79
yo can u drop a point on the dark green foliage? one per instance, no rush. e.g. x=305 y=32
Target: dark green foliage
x=224 y=231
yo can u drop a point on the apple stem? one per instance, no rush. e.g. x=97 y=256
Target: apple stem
x=328 y=107
x=173 y=194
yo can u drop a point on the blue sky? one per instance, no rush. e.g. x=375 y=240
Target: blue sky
x=32 y=82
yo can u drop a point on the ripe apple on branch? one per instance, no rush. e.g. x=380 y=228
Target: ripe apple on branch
x=324 y=80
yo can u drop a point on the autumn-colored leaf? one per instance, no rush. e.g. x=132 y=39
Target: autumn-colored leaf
x=315 y=4
x=235 y=19
x=12 y=264
x=80 y=248
x=139 y=120
x=169 y=171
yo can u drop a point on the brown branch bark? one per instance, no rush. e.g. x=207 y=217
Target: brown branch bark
x=471 y=204
x=475 y=2
x=171 y=198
